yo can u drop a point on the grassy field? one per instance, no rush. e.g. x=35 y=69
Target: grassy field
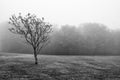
x=21 y=67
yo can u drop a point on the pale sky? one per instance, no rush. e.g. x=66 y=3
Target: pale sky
x=60 y=12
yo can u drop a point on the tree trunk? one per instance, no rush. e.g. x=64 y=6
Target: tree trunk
x=35 y=56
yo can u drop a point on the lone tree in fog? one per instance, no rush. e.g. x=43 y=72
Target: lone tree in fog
x=35 y=31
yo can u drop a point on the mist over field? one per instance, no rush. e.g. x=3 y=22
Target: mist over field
x=92 y=26
x=85 y=39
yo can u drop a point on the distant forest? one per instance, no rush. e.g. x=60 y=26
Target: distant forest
x=86 y=39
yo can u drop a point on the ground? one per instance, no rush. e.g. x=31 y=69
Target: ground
x=15 y=66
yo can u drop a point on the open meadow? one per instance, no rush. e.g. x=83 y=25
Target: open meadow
x=15 y=66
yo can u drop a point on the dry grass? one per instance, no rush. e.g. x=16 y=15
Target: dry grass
x=21 y=67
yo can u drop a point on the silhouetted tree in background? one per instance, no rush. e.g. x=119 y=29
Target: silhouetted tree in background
x=96 y=36
x=86 y=39
x=34 y=30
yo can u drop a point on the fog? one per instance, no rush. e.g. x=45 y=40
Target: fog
x=73 y=12
x=92 y=26
x=86 y=39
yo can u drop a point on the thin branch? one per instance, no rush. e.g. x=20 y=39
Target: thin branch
x=35 y=30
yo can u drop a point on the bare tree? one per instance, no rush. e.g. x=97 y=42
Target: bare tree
x=34 y=30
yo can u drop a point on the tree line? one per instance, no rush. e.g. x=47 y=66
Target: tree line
x=85 y=39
